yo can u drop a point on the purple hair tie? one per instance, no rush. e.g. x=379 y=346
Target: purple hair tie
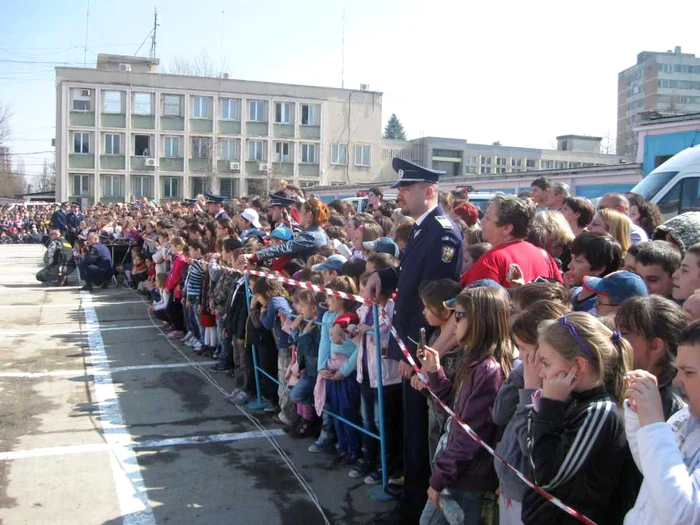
x=615 y=337
x=572 y=331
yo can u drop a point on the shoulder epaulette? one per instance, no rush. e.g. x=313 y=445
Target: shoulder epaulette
x=444 y=222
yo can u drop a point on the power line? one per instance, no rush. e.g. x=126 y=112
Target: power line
x=30 y=153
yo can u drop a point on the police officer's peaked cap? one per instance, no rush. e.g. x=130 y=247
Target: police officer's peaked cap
x=191 y=201
x=410 y=173
x=75 y=204
x=278 y=200
x=216 y=199
x=65 y=204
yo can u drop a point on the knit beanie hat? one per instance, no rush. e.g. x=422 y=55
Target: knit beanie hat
x=683 y=228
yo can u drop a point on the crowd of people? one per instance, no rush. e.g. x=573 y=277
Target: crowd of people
x=21 y=224
x=564 y=334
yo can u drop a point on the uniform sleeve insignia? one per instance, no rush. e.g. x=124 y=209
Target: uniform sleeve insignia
x=447 y=253
x=444 y=222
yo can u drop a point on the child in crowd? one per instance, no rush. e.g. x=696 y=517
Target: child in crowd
x=667 y=453
x=330 y=268
x=308 y=338
x=380 y=261
x=656 y=262
x=337 y=379
x=173 y=287
x=193 y=286
x=524 y=296
x=402 y=234
x=434 y=295
x=629 y=261
x=157 y=308
x=369 y=383
x=512 y=406
x=273 y=298
x=612 y=290
x=472 y=253
x=691 y=307
x=462 y=470
x=687 y=278
x=576 y=438
x=365 y=232
x=652 y=326
x=594 y=254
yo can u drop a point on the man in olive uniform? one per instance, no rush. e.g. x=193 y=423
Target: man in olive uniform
x=58 y=260
x=433 y=251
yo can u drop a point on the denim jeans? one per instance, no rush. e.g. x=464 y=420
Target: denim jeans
x=303 y=392
x=456 y=508
x=226 y=352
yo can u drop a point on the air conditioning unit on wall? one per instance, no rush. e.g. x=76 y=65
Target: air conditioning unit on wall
x=150 y=162
x=84 y=92
x=234 y=166
x=264 y=167
x=124 y=68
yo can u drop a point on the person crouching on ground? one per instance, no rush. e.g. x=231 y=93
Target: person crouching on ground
x=96 y=267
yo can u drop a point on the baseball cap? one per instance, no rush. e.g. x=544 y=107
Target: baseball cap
x=282 y=232
x=383 y=245
x=617 y=285
x=252 y=216
x=333 y=263
x=490 y=283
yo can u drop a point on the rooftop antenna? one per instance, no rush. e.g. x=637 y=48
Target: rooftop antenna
x=87 y=25
x=342 y=61
x=155 y=30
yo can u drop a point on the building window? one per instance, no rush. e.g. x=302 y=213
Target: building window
x=485 y=170
x=201 y=107
x=111 y=186
x=530 y=163
x=81 y=185
x=363 y=155
x=197 y=185
x=309 y=115
x=501 y=161
x=516 y=163
x=256 y=110
x=339 y=154
x=227 y=187
x=308 y=154
x=113 y=144
x=547 y=164
x=560 y=165
x=171 y=187
x=229 y=109
x=80 y=99
x=200 y=148
x=141 y=186
x=472 y=160
x=81 y=142
x=282 y=152
x=228 y=149
x=256 y=150
x=486 y=161
x=143 y=104
x=500 y=171
x=171 y=147
x=172 y=105
x=283 y=112
x=112 y=102
x=142 y=145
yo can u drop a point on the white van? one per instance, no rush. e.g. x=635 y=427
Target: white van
x=675 y=185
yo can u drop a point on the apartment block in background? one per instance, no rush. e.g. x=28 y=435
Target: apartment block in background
x=123 y=129
x=668 y=83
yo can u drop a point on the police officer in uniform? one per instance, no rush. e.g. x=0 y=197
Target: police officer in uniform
x=58 y=260
x=59 y=219
x=96 y=267
x=433 y=251
x=279 y=212
x=215 y=206
x=73 y=220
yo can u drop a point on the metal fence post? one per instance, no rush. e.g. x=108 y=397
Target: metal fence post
x=259 y=403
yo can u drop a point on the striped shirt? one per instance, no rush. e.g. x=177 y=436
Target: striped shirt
x=195 y=277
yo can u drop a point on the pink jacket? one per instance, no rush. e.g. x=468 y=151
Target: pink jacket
x=390 y=368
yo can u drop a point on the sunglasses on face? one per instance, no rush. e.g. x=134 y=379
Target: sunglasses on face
x=460 y=315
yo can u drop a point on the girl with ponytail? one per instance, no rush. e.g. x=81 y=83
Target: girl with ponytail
x=576 y=437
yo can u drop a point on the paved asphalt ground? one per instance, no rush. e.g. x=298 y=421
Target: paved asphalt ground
x=104 y=421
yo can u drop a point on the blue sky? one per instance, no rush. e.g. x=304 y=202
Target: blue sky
x=518 y=72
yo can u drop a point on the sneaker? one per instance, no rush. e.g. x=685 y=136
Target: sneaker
x=351 y=460
x=339 y=459
x=396 y=479
x=242 y=398
x=233 y=393
x=362 y=468
x=271 y=408
x=321 y=446
x=218 y=367
x=375 y=478
x=175 y=334
x=104 y=285
x=288 y=429
x=197 y=347
x=86 y=288
x=187 y=337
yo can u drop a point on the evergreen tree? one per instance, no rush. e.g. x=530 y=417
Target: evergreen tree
x=394 y=129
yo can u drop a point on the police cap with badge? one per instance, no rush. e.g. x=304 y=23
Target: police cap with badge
x=280 y=200
x=190 y=202
x=214 y=199
x=411 y=173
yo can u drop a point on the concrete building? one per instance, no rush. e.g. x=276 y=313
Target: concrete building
x=459 y=157
x=667 y=82
x=123 y=129
x=5 y=160
x=660 y=138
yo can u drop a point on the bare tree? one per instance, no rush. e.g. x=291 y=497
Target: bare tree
x=5 y=117
x=47 y=178
x=608 y=144
x=200 y=66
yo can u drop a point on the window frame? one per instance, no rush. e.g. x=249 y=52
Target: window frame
x=202 y=151
x=111 y=137
x=335 y=154
x=168 y=183
x=104 y=102
x=280 y=106
x=166 y=105
x=82 y=178
x=227 y=102
x=135 y=105
x=112 y=179
x=165 y=146
x=204 y=104
x=254 y=143
x=316 y=110
x=141 y=179
x=232 y=146
x=282 y=156
x=369 y=149
x=256 y=102
x=79 y=98
x=82 y=134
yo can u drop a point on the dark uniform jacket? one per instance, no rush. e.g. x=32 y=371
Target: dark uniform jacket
x=99 y=256
x=433 y=251
x=59 y=220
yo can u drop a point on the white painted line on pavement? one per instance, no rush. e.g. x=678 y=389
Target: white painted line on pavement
x=91 y=372
x=73 y=331
x=126 y=472
x=157 y=443
x=65 y=305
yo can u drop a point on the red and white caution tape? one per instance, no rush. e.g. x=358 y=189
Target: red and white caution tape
x=404 y=349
